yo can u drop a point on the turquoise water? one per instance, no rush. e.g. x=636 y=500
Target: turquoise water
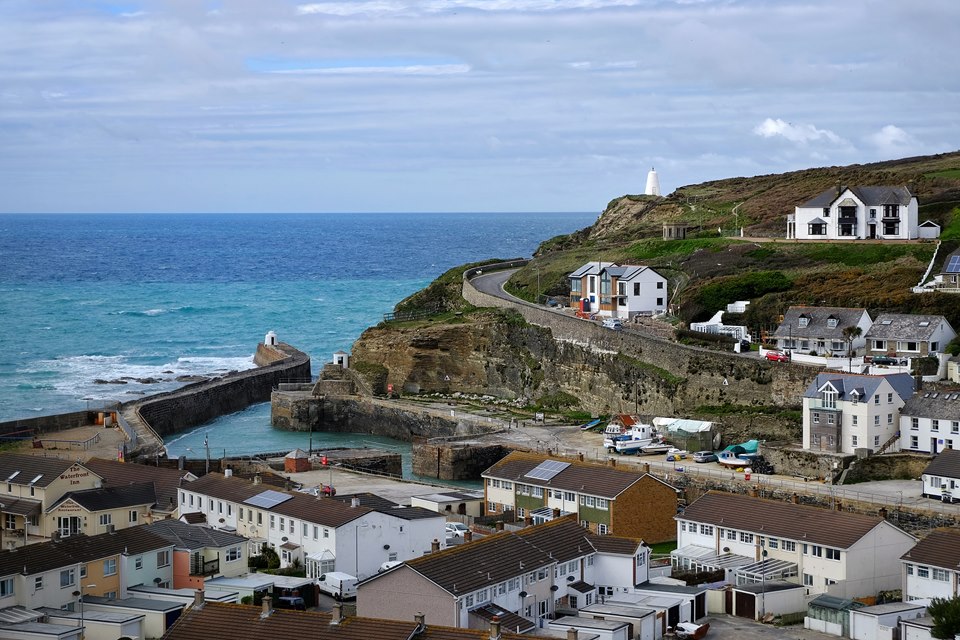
x=117 y=298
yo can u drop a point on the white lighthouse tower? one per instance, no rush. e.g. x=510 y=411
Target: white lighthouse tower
x=653 y=183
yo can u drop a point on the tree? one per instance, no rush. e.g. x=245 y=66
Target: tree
x=946 y=617
x=850 y=334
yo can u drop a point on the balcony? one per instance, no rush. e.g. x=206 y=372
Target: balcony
x=204 y=568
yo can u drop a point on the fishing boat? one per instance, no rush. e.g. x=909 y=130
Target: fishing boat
x=656 y=447
x=732 y=460
x=591 y=424
x=631 y=441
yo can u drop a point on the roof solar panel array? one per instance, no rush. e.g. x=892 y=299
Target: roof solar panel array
x=268 y=499
x=546 y=469
x=954 y=265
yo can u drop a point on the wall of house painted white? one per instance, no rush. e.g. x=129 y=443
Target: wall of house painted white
x=868 y=626
x=618 y=571
x=908 y=227
x=148 y=573
x=871 y=423
x=646 y=292
x=918 y=587
x=873 y=562
x=918 y=434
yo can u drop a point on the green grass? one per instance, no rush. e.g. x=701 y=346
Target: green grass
x=653 y=248
x=952 y=229
x=665 y=375
x=663 y=548
x=946 y=173
x=863 y=255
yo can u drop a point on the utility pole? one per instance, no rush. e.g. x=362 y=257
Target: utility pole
x=206 y=446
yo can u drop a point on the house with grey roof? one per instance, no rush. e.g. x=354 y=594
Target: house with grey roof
x=857 y=213
x=930 y=423
x=821 y=330
x=531 y=573
x=931 y=569
x=618 y=291
x=908 y=335
x=843 y=412
x=201 y=553
x=844 y=554
x=948 y=280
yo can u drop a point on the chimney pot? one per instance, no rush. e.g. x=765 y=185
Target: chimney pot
x=613 y=462
x=354 y=502
x=435 y=546
x=228 y=473
x=556 y=512
x=468 y=536
x=198 y=598
x=838 y=506
x=267 y=606
x=257 y=479
x=337 y=612
x=495 y=628
x=646 y=467
x=580 y=456
x=420 y=619
x=527 y=521
x=572 y=634
x=883 y=512
x=498 y=525
x=795 y=499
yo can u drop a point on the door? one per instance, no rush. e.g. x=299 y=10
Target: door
x=873 y=232
x=68 y=526
x=933 y=446
x=746 y=603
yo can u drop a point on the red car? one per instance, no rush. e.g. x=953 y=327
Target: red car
x=777 y=356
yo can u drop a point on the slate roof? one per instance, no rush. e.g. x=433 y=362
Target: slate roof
x=316 y=510
x=194 y=517
x=110 y=497
x=221 y=621
x=494 y=559
x=193 y=537
x=838 y=529
x=615 y=544
x=508 y=619
x=817 y=325
x=942 y=405
x=946 y=464
x=905 y=326
x=165 y=481
x=866 y=386
x=941 y=548
x=592 y=479
x=591 y=268
x=383 y=505
x=870 y=196
x=47 y=556
x=29 y=467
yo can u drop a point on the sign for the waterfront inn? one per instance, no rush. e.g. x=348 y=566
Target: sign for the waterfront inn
x=75 y=474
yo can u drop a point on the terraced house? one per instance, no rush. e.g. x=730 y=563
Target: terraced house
x=931 y=569
x=848 y=555
x=605 y=499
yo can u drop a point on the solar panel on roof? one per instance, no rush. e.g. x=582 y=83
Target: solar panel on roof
x=546 y=469
x=268 y=499
x=954 y=265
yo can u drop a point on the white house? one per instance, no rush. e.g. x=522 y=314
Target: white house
x=856 y=213
x=843 y=412
x=821 y=330
x=930 y=423
x=941 y=478
x=845 y=554
x=619 y=291
x=931 y=569
x=325 y=534
x=908 y=335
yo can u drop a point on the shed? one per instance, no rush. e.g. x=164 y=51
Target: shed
x=100 y=624
x=590 y=627
x=830 y=614
x=341 y=358
x=158 y=615
x=270 y=339
x=465 y=503
x=297 y=461
x=928 y=229
x=880 y=622
x=778 y=597
x=642 y=620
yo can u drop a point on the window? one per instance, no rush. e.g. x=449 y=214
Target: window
x=923 y=572
x=273 y=523
x=909 y=569
x=316 y=532
x=10 y=520
x=830 y=399
x=537 y=492
x=833 y=554
x=38 y=583
x=773 y=543
x=683 y=526
x=163 y=558
x=602 y=529
x=134 y=516
x=513 y=584
x=706 y=530
x=569 y=496
x=68 y=577
x=889 y=418
x=807 y=580
x=183 y=498
x=601 y=503
x=746 y=537
x=853 y=441
x=110 y=567
x=876 y=441
x=326 y=533
x=259 y=517
x=191 y=499
x=940 y=574
x=876 y=399
x=229 y=509
x=876 y=421
x=915 y=424
x=105 y=519
x=83 y=571
x=889 y=398
x=816 y=417
x=281 y=525
x=305 y=529
x=6 y=588
x=233 y=554
x=210 y=503
x=789 y=545
x=659 y=302
x=803 y=321
x=219 y=506
x=138 y=563
x=659 y=285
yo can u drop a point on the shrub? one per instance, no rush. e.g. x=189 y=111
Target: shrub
x=718 y=295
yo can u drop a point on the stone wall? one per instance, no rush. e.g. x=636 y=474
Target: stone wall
x=455 y=460
x=48 y=424
x=791 y=460
x=189 y=406
x=705 y=377
x=897 y=466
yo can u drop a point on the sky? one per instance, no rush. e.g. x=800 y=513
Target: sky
x=454 y=105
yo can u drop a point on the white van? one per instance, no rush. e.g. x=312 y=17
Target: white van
x=613 y=323
x=338 y=584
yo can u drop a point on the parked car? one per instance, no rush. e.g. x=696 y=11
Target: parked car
x=338 y=584
x=613 y=323
x=777 y=356
x=291 y=602
x=885 y=360
x=704 y=456
x=456 y=529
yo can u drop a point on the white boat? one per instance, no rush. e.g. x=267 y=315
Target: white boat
x=632 y=440
x=656 y=447
x=732 y=460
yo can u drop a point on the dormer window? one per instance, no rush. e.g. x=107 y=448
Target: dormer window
x=829 y=399
x=803 y=321
x=832 y=322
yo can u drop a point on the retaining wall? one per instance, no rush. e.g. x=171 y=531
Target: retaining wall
x=51 y=423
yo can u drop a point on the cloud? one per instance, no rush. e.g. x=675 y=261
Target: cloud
x=892 y=140
x=799 y=133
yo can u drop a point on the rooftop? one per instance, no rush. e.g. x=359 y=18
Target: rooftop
x=941 y=548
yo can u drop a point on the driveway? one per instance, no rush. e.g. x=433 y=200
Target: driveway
x=723 y=626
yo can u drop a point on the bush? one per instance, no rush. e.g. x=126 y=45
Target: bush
x=748 y=286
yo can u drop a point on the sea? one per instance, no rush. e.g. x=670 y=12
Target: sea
x=100 y=308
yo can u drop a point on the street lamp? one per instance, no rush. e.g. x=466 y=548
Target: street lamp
x=763 y=584
x=79 y=595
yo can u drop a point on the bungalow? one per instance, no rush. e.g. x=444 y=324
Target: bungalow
x=930 y=423
x=856 y=213
x=530 y=573
x=843 y=412
x=949 y=278
x=619 y=291
x=848 y=555
x=907 y=335
x=606 y=499
x=941 y=478
x=822 y=330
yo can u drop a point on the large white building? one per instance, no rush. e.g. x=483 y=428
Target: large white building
x=618 y=291
x=930 y=423
x=355 y=536
x=843 y=412
x=848 y=555
x=856 y=213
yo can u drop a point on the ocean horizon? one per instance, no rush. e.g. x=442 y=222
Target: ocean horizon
x=101 y=308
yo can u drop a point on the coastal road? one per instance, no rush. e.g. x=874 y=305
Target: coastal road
x=492 y=284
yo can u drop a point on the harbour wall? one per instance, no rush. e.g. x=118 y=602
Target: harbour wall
x=167 y=413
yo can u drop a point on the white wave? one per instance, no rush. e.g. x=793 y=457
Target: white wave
x=154 y=312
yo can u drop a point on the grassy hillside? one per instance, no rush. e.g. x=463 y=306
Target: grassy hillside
x=708 y=270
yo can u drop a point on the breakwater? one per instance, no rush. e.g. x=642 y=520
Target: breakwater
x=154 y=417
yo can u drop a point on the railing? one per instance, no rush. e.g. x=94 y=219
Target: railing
x=204 y=567
x=403 y=316
x=71 y=444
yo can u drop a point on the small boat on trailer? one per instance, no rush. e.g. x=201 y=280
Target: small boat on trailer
x=656 y=447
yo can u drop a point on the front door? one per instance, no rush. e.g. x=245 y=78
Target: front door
x=873 y=232
x=933 y=445
x=68 y=526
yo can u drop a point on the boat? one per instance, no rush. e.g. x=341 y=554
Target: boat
x=656 y=447
x=591 y=424
x=632 y=440
x=732 y=460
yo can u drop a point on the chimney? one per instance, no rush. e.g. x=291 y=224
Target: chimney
x=752 y=492
x=354 y=502
x=267 y=606
x=646 y=467
x=838 y=506
x=549 y=452
x=795 y=499
x=468 y=536
x=198 y=598
x=883 y=512
x=495 y=628
x=257 y=479
x=337 y=613
x=580 y=456
x=421 y=621
x=435 y=546
x=228 y=473
x=613 y=462
x=572 y=633
x=556 y=512
x=527 y=521
x=498 y=525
